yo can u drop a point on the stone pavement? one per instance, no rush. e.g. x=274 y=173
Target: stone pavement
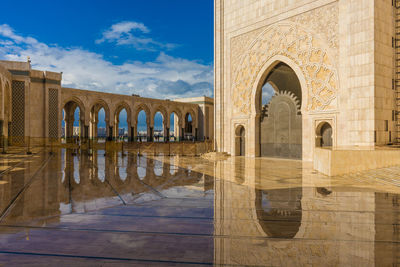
x=74 y=209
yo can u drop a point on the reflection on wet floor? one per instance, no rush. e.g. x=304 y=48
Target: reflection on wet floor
x=124 y=209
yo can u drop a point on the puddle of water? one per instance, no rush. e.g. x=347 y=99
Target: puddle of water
x=236 y=212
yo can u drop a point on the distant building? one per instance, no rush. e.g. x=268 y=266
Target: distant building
x=75 y=131
x=101 y=132
x=122 y=132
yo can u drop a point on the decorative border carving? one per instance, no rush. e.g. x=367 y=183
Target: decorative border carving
x=302 y=47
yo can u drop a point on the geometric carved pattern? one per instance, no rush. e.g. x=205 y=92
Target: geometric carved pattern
x=302 y=47
x=18 y=111
x=281 y=94
x=53 y=113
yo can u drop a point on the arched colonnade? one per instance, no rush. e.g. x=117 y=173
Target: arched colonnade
x=90 y=103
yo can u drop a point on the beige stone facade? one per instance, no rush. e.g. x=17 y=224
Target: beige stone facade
x=341 y=52
x=33 y=103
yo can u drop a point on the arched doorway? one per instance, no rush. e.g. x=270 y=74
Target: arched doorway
x=73 y=121
x=324 y=135
x=188 y=126
x=280 y=118
x=122 y=125
x=240 y=141
x=142 y=126
x=158 y=134
x=174 y=127
x=100 y=128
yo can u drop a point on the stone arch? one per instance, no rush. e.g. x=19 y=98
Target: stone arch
x=190 y=128
x=95 y=107
x=77 y=100
x=177 y=111
x=137 y=110
x=98 y=104
x=118 y=108
x=161 y=109
x=262 y=76
x=69 y=106
x=279 y=123
x=240 y=140
x=178 y=121
x=140 y=107
x=302 y=48
x=164 y=113
x=324 y=134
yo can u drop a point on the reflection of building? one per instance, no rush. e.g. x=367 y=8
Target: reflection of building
x=299 y=224
x=330 y=89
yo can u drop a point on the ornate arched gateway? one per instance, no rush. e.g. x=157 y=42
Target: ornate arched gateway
x=280 y=121
x=296 y=64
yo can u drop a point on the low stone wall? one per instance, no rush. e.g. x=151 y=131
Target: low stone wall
x=172 y=148
x=151 y=148
x=338 y=162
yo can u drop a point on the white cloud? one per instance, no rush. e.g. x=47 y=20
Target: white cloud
x=165 y=77
x=132 y=33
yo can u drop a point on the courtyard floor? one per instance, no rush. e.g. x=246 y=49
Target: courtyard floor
x=73 y=209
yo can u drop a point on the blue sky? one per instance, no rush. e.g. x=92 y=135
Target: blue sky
x=154 y=48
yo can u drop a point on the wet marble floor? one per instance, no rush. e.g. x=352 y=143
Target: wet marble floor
x=75 y=209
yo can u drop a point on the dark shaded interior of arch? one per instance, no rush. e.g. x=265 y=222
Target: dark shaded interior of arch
x=285 y=79
x=279 y=211
x=281 y=122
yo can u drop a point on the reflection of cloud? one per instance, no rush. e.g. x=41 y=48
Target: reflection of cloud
x=165 y=77
x=131 y=33
x=267 y=93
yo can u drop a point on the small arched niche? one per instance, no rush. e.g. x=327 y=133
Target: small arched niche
x=240 y=141
x=324 y=135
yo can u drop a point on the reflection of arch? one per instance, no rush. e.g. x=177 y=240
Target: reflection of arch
x=324 y=135
x=141 y=167
x=158 y=168
x=122 y=167
x=101 y=167
x=240 y=141
x=279 y=211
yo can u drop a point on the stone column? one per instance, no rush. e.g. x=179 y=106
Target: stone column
x=166 y=135
x=110 y=131
x=1 y=133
